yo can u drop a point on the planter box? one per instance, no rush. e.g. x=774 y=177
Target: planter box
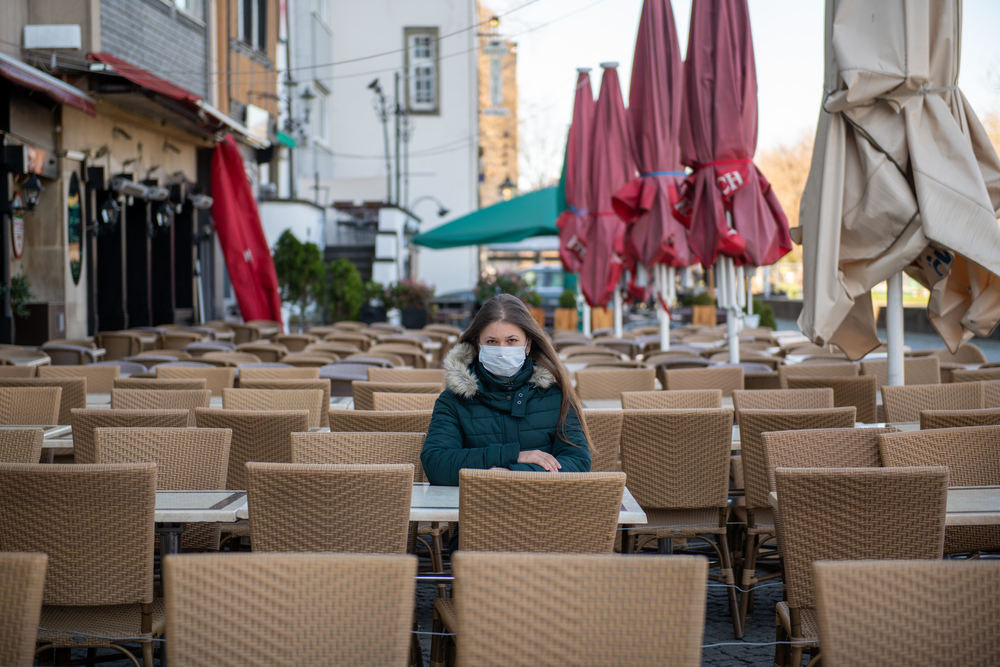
x=703 y=316
x=601 y=318
x=539 y=315
x=565 y=319
x=370 y=314
x=414 y=318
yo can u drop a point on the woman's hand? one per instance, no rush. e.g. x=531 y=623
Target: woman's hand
x=538 y=457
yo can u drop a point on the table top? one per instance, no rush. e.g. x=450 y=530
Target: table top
x=199 y=506
x=440 y=503
x=967 y=505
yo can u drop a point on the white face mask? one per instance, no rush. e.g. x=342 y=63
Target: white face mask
x=501 y=361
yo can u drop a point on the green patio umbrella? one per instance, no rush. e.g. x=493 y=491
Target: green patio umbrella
x=531 y=214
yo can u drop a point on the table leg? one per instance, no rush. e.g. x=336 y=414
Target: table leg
x=170 y=538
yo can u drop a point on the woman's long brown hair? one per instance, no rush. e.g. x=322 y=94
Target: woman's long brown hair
x=507 y=308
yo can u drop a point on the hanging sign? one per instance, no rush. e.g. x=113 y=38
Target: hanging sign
x=17 y=225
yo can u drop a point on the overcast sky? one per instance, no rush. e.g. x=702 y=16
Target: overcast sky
x=788 y=44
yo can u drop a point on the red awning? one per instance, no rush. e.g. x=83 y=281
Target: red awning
x=148 y=80
x=35 y=79
x=241 y=235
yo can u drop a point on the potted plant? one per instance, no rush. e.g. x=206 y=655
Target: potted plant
x=509 y=282
x=703 y=310
x=301 y=274
x=411 y=297
x=345 y=291
x=373 y=304
x=566 y=315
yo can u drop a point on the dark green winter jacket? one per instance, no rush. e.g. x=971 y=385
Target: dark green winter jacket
x=480 y=422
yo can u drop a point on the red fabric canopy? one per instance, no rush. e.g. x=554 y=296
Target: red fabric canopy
x=718 y=139
x=654 y=236
x=575 y=181
x=27 y=76
x=611 y=167
x=241 y=235
x=141 y=77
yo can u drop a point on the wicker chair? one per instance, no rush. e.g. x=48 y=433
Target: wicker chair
x=74 y=393
x=107 y=588
x=578 y=350
x=816 y=370
x=216 y=379
x=227 y=359
x=822 y=448
x=783 y=399
x=86 y=421
x=20 y=446
x=757 y=514
x=179 y=355
x=272 y=372
x=200 y=349
x=257 y=436
x=341 y=377
x=276 y=400
x=162 y=399
x=296 y=342
x=22 y=355
x=346 y=325
x=672 y=400
x=630 y=348
x=959 y=628
x=176 y=339
x=972 y=455
x=374 y=496
x=344 y=421
x=930 y=419
x=267 y=352
x=894 y=513
x=967 y=354
x=185 y=458
x=70 y=355
x=728 y=379
x=923 y=370
x=503 y=510
x=292 y=385
x=981 y=375
x=904 y=404
x=306 y=596
x=119 y=344
x=407 y=402
x=847 y=391
x=677 y=462
x=244 y=333
x=17 y=372
x=643 y=611
x=760 y=358
x=605 y=428
x=361 y=341
x=35 y=406
x=363 y=391
x=411 y=355
x=603 y=360
x=340 y=350
x=611 y=364
x=609 y=384
x=307 y=360
x=22 y=581
x=444 y=328
x=160 y=383
x=405 y=375
x=100 y=379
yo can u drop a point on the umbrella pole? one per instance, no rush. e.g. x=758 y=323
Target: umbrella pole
x=663 y=291
x=750 y=276
x=894 y=328
x=734 y=294
x=585 y=310
x=618 y=312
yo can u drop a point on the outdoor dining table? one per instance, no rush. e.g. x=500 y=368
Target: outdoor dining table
x=967 y=505
x=175 y=509
x=48 y=431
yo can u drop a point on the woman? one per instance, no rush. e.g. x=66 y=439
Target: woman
x=508 y=403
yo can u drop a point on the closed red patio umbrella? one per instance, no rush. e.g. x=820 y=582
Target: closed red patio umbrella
x=575 y=174
x=611 y=167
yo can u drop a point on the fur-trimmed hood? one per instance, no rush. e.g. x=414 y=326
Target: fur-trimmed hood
x=461 y=380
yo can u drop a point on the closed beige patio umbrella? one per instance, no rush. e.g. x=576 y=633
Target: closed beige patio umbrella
x=903 y=178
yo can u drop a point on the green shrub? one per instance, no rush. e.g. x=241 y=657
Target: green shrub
x=300 y=271
x=766 y=314
x=345 y=290
x=702 y=299
x=567 y=299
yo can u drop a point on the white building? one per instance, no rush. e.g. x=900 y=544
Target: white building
x=432 y=46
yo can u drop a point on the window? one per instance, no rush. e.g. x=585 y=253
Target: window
x=253 y=23
x=192 y=7
x=422 y=90
x=318 y=119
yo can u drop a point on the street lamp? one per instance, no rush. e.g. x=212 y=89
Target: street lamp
x=307 y=98
x=508 y=189
x=32 y=189
x=110 y=210
x=442 y=211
